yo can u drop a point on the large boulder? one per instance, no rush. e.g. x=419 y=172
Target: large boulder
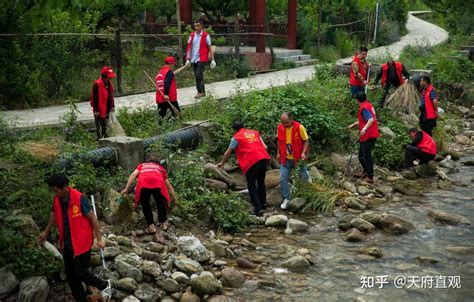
x=448 y=218
x=216 y=184
x=193 y=248
x=8 y=283
x=205 y=284
x=212 y=171
x=188 y=265
x=23 y=223
x=297 y=262
x=276 y=221
x=34 y=289
x=341 y=162
x=272 y=179
x=126 y=270
x=426 y=171
x=395 y=225
x=110 y=206
x=296 y=204
x=232 y=278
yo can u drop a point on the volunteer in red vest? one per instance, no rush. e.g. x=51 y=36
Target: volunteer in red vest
x=198 y=53
x=359 y=72
x=423 y=147
x=166 y=83
x=293 y=142
x=152 y=181
x=369 y=132
x=102 y=100
x=428 y=106
x=76 y=225
x=393 y=74
x=251 y=153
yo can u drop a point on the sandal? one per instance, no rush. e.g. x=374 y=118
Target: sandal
x=148 y=232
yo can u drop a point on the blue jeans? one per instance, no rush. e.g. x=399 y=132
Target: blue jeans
x=285 y=173
x=356 y=89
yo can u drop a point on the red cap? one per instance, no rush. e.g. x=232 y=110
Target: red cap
x=170 y=60
x=106 y=70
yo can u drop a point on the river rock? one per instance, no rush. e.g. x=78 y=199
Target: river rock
x=180 y=277
x=212 y=171
x=53 y=250
x=188 y=265
x=426 y=260
x=127 y=284
x=131 y=299
x=297 y=225
x=111 y=252
x=221 y=298
x=296 y=204
x=409 y=174
x=460 y=250
x=406 y=188
x=156 y=247
x=126 y=270
x=354 y=235
x=345 y=222
x=455 y=155
x=394 y=224
x=245 y=263
x=193 y=248
x=34 y=289
x=315 y=173
x=384 y=189
x=170 y=285
x=110 y=206
x=349 y=186
x=355 y=203
x=272 y=179
x=188 y=296
x=147 y=293
x=340 y=162
x=151 y=268
x=124 y=241
x=372 y=251
x=426 y=171
x=8 y=283
x=205 y=284
x=363 y=190
x=131 y=258
x=218 y=248
x=386 y=133
x=448 y=164
x=362 y=225
x=296 y=262
x=372 y=217
x=448 y=218
x=148 y=255
x=216 y=184
x=276 y=221
x=462 y=139
x=23 y=223
x=232 y=278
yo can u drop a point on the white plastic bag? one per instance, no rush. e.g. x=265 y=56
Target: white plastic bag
x=113 y=126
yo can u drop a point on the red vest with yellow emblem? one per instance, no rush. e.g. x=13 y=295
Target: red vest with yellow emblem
x=354 y=81
x=250 y=148
x=296 y=142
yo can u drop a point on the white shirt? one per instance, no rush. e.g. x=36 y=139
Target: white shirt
x=196 y=45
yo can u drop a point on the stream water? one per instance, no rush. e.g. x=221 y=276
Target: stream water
x=339 y=269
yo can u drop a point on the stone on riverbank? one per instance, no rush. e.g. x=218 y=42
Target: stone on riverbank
x=296 y=262
x=362 y=225
x=205 y=284
x=448 y=218
x=395 y=225
x=297 y=225
x=354 y=235
x=8 y=283
x=193 y=248
x=296 y=204
x=232 y=278
x=276 y=221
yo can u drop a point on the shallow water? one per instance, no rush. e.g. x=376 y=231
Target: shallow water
x=339 y=269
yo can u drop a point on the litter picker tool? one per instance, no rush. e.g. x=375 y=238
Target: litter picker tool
x=173 y=108
x=367 y=80
x=101 y=250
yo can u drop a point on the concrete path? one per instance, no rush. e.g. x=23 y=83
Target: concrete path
x=419 y=31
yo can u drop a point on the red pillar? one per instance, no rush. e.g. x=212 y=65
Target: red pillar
x=252 y=14
x=292 y=24
x=186 y=11
x=260 y=21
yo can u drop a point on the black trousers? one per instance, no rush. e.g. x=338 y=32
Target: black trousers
x=412 y=153
x=77 y=271
x=426 y=125
x=365 y=156
x=164 y=107
x=386 y=90
x=101 y=126
x=199 y=75
x=256 y=185
x=160 y=205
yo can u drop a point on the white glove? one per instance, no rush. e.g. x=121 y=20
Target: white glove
x=213 y=64
x=188 y=62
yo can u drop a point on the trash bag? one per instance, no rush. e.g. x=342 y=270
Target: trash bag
x=113 y=126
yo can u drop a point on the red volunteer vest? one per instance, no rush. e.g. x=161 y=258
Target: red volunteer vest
x=160 y=83
x=79 y=224
x=103 y=96
x=296 y=142
x=250 y=149
x=151 y=177
x=427 y=144
x=373 y=131
x=430 y=112
x=398 y=69
x=362 y=69
x=203 y=47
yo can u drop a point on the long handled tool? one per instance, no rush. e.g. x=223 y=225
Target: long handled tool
x=349 y=163
x=367 y=80
x=173 y=108
x=101 y=250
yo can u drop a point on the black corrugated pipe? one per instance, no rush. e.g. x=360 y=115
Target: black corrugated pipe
x=98 y=157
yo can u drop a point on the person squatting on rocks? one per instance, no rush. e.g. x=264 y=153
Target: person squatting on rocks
x=423 y=147
x=251 y=153
x=393 y=74
x=428 y=105
x=198 y=53
x=293 y=143
x=359 y=76
x=102 y=100
x=76 y=225
x=369 y=132
x=166 y=82
x=152 y=181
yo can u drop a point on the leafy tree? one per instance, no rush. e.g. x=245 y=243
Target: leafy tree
x=455 y=15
